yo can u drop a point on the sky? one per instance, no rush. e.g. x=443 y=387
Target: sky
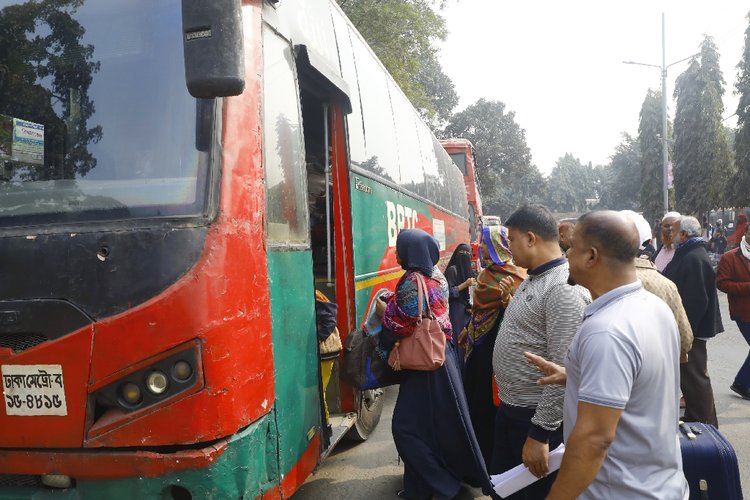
x=558 y=65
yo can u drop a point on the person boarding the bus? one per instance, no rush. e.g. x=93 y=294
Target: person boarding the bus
x=431 y=407
x=543 y=317
x=329 y=342
x=622 y=376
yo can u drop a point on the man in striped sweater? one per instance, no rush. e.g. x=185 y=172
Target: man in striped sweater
x=541 y=318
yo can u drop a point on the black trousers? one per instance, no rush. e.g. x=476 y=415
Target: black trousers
x=511 y=430
x=696 y=386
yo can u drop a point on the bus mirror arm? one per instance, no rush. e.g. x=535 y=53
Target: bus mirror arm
x=204 y=122
x=213 y=47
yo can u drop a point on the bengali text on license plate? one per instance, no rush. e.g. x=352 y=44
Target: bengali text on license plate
x=33 y=390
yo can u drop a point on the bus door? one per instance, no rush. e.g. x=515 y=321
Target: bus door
x=324 y=103
x=289 y=260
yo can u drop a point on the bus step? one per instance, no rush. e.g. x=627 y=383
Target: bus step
x=340 y=424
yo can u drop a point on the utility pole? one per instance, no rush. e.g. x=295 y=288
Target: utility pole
x=664 y=142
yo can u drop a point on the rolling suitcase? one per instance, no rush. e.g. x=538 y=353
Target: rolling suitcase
x=709 y=463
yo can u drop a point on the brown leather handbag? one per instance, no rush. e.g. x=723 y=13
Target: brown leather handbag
x=424 y=349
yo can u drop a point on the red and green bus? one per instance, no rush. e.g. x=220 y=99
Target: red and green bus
x=176 y=180
x=461 y=152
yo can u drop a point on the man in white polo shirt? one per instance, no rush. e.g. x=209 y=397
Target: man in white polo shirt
x=622 y=368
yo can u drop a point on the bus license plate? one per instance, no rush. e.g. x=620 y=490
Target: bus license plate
x=33 y=390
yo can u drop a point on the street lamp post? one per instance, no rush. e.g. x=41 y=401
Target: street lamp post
x=665 y=146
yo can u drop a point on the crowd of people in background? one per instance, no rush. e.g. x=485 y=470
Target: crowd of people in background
x=584 y=332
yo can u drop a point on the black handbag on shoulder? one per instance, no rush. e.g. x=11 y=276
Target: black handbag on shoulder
x=364 y=366
x=365 y=363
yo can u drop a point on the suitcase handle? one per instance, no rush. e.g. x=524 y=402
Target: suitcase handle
x=685 y=429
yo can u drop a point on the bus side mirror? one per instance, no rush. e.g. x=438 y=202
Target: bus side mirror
x=214 y=58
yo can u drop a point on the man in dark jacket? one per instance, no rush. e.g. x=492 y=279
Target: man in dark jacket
x=690 y=269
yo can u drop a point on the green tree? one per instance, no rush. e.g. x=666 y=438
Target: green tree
x=403 y=34
x=620 y=181
x=650 y=145
x=504 y=170
x=606 y=186
x=439 y=89
x=571 y=184
x=529 y=186
x=740 y=181
x=702 y=162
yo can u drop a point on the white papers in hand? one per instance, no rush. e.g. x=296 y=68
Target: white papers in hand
x=510 y=481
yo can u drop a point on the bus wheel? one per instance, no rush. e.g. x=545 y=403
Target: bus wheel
x=368 y=415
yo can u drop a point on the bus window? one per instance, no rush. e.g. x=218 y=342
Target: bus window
x=82 y=141
x=454 y=180
x=412 y=176
x=382 y=157
x=356 y=135
x=429 y=164
x=444 y=189
x=472 y=223
x=460 y=160
x=286 y=196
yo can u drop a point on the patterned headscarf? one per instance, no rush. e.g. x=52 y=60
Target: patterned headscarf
x=494 y=248
x=488 y=301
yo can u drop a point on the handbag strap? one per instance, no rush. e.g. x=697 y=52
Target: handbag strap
x=421 y=291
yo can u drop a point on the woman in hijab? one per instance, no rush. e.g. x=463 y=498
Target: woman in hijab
x=460 y=277
x=431 y=405
x=495 y=285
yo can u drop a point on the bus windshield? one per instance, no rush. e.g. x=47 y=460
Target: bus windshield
x=96 y=123
x=460 y=160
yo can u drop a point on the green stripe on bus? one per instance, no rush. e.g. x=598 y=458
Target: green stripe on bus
x=246 y=469
x=295 y=351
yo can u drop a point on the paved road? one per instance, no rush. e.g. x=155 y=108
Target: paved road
x=368 y=470
x=371 y=470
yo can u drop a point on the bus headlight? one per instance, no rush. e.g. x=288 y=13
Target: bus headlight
x=157 y=382
x=182 y=370
x=160 y=378
x=131 y=393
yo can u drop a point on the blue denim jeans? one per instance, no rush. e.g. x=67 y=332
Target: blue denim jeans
x=742 y=378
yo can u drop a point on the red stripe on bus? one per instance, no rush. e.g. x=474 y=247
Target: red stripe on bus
x=107 y=465
x=304 y=466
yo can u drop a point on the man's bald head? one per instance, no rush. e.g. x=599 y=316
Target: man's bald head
x=612 y=233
